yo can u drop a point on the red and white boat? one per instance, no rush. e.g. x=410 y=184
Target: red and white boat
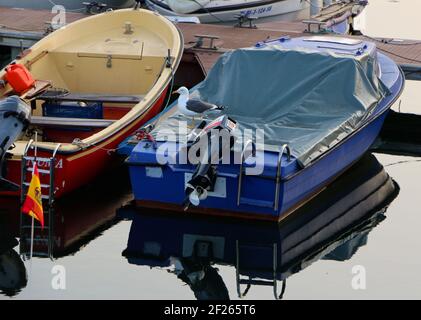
x=96 y=81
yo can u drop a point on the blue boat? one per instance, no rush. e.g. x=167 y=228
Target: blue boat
x=317 y=103
x=331 y=226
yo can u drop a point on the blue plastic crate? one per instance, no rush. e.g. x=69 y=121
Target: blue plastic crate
x=73 y=110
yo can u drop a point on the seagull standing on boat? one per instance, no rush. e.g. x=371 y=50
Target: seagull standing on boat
x=193 y=107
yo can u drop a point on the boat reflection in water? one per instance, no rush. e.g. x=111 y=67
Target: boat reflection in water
x=13 y=275
x=82 y=216
x=332 y=226
x=79 y=218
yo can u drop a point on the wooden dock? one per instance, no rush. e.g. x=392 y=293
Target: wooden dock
x=406 y=53
x=23 y=27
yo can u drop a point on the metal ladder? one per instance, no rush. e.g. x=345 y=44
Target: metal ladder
x=25 y=221
x=284 y=148
x=250 y=281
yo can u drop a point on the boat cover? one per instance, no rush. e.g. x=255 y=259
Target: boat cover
x=307 y=98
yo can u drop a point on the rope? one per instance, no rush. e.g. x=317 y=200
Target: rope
x=156 y=119
x=171 y=88
x=399 y=56
x=83 y=145
x=207 y=10
x=322 y=7
x=401 y=162
x=389 y=41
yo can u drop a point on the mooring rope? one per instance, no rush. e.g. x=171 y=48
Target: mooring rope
x=207 y=10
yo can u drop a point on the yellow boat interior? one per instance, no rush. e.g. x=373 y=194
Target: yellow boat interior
x=98 y=74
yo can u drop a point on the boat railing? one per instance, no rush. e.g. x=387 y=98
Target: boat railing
x=240 y=176
x=250 y=281
x=48 y=208
x=284 y=148
x=28 y=145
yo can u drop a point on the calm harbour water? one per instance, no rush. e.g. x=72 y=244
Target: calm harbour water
x=390 y=256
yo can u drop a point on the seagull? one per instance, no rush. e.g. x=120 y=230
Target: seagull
x=193 y=107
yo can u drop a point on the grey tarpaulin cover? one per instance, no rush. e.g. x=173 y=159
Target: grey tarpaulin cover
x=306 y=98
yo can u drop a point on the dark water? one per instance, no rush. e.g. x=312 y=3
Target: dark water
x=383 y=241
x=376 y=227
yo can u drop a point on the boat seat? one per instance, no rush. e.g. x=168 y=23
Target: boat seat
x=91 y=97
x=39 y=87
x=70 y=122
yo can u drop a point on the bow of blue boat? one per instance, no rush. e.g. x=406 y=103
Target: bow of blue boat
x=291 y=174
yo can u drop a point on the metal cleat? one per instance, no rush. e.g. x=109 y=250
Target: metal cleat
x=245 y=19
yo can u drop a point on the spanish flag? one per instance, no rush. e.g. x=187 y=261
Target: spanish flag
x=33 y=202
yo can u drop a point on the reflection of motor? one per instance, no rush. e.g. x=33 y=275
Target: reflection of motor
x=12 y=273
x=202 y=278
x=197 y=271
x=14 y=117
x=12 y=270
x=204 y=177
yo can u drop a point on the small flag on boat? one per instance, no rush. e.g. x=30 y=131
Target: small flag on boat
x=33 y=202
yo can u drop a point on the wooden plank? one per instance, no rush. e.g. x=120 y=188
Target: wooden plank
x=70 y=122
x=402 y=52
x=228 y=37
x=27 y=20
x=90 y=97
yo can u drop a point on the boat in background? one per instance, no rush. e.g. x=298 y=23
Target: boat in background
x=211 y=11
x=320 y=101
x=96 y=81
x=68 y=4
x=331 y=226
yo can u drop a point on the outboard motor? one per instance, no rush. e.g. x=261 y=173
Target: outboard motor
x=204 y=177
x=15 y=116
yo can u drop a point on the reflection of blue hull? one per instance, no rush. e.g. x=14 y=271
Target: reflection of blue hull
x=258 y=193
x=324 y=223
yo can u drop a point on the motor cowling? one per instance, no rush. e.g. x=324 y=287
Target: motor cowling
x=205 y=174
x=15 y=115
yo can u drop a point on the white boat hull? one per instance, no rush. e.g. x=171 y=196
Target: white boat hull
x=220 y=11
x=186 y=6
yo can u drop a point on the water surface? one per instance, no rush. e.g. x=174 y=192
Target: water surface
x=390 y=256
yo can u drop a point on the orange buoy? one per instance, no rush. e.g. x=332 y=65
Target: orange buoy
x=19 y=77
